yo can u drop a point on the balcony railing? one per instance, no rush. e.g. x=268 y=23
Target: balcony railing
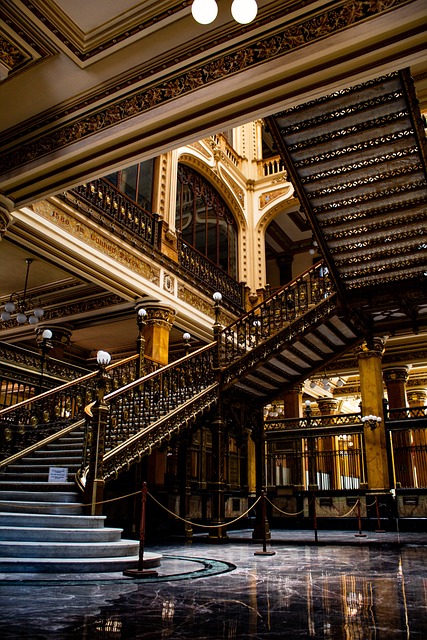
x=116 y=211
x=207 y=274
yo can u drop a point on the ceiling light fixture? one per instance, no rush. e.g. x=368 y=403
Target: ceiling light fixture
x=23 y=304
x=205 y=11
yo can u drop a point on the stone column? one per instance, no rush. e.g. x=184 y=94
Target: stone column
x=327 y=406
x=395 y=379
x=372 y=392
x=158 y=323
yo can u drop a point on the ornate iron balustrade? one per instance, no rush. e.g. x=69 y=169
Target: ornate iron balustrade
x=327 y=422
x=30 y=360
x=207 y=274
x=148 y=411
x=405 y=413
x=120 y=210
x=275 y=313
x=30 y=421
x=331 y=462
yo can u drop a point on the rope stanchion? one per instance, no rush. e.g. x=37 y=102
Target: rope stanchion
x=377 y=508
x=359 y=519
x=297 y=513
x=197 y=524
x=140 y=572
x=264 y=551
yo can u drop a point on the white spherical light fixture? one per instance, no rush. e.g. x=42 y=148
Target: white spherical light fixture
x=204 y=11
x=244 y=11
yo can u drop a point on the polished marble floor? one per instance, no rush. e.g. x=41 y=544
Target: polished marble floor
x=343 y=588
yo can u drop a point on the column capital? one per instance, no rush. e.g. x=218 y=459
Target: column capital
x=158 y=314
x=396 y=374
x=417 y=397
x=373 y=349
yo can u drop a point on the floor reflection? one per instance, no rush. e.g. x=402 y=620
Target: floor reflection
x=345 y=592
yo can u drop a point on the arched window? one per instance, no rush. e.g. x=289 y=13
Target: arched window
x=205 y=221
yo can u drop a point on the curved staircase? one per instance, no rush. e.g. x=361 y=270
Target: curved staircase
x=42 y=524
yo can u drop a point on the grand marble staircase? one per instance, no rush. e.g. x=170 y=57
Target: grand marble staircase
x=42 y=524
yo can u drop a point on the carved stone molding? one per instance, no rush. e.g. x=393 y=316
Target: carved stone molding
x=330 y=21
x=375 y=350
x=394 y=375
x=160 y=316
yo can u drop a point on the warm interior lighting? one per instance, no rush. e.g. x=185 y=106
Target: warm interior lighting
x=204 y=11
x=244 y=11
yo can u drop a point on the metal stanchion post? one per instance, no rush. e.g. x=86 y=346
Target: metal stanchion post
x=359 y=519
x=264 y=551
x=377 y=507
x=140 y=572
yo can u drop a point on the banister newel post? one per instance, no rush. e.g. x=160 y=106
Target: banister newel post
x=94 y=490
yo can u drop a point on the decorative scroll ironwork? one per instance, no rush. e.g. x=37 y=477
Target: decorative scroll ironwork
x=121 y=210
x=315 y=422
x=405 y=413
x=147 y=411
x=29 y=422
x=206 y=273
x=273 y=314
x=12 y=354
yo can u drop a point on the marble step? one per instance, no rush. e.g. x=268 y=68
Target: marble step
x=59 y=534
x=41 y=496
x=28 y=474
x=42 y=486
x=54 y=461
x=63 y=549
x=72 y=565
x=36 y=468
x=12 y=519
x=56 y=508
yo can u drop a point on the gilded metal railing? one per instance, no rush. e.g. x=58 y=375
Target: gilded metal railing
x=148 y=411
x=405 y=413
x=117 y=207
x=207 y=274
x=274 y=313
x=31 y=421
x=327 y=422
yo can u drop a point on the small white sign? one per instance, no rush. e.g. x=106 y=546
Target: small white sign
x=58 y=474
